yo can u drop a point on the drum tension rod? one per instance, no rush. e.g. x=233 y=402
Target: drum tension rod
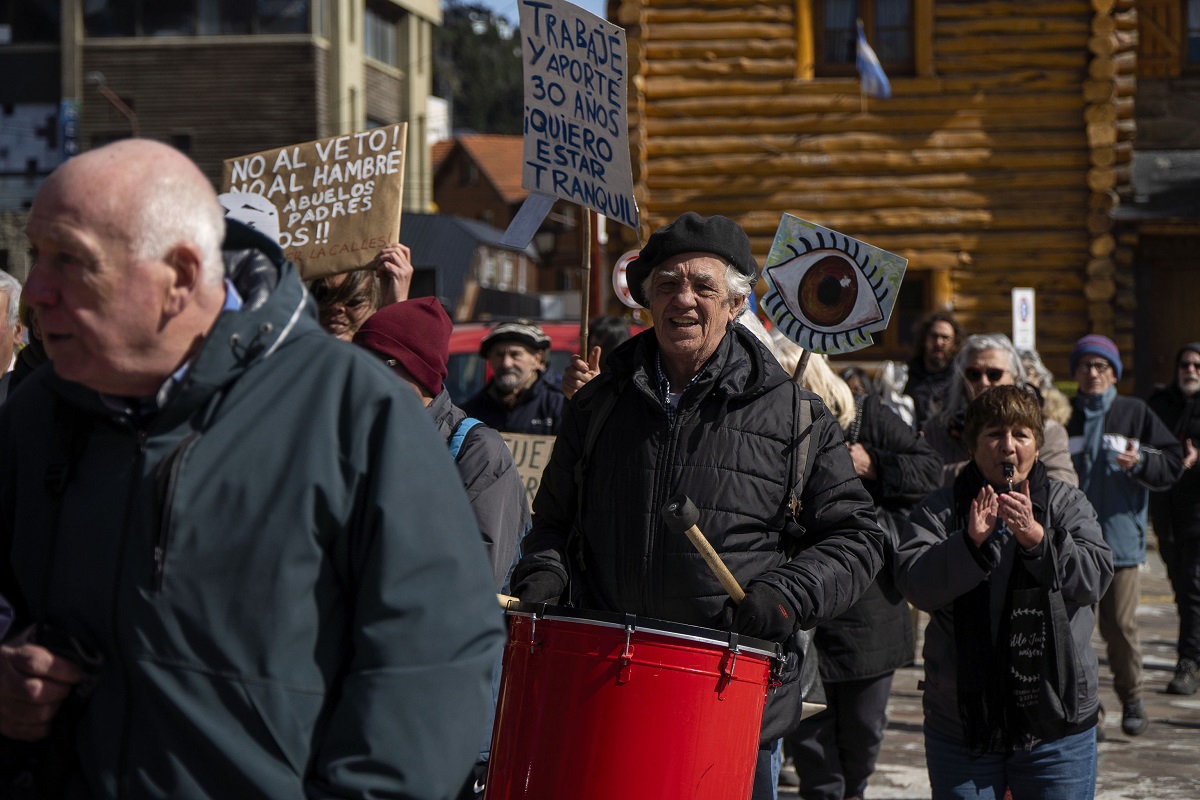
x=727 y=677
x=627 y=654
x=533 y=620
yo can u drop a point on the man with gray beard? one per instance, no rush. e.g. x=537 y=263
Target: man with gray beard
x=1175 y=513
x=522 y=396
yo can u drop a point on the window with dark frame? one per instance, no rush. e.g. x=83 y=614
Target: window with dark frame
x=31 y=20
x=1191 y=52
x=888 y=25
x=128 y=18
x=379 y=36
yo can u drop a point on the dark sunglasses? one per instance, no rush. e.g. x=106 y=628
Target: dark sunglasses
x=974 y=374
x=1190 y=365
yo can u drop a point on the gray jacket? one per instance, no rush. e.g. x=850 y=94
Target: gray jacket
x=493 y=485
x=934 y=567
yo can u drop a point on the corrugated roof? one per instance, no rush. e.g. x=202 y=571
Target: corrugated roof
x=499 y=159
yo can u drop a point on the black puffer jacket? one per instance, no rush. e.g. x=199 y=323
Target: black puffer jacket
x=1176 y=512
x=538 y=409
x=730 y=450
x=875 y=636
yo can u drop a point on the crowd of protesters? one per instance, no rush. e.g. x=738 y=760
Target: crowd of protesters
x=244 y=559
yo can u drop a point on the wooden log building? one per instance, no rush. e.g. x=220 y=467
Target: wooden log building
x=997 y=162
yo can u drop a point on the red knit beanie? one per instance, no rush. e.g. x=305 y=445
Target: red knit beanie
x=416 y=333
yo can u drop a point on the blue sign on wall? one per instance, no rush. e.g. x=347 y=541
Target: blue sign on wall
x=68 y=126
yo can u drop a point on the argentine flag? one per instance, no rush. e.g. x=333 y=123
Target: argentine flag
x=874 y=81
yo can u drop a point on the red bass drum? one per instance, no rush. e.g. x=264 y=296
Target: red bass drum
x=597 y=706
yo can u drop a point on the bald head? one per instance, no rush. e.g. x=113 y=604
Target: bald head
x=127 y=267
x=151 y=194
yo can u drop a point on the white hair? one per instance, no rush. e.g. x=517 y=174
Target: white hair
x=737 y=285
x=740 y=285
x=177 y=209
x=819 y=378
x=973 y=346
x=753 y=324
x=12 y=289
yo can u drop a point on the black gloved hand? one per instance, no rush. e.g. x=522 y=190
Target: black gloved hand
x=765 y=614
x=540 y=586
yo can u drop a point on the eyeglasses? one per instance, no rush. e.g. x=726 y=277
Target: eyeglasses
x=1186 y=365
x=974 y=374
x=1100 y=367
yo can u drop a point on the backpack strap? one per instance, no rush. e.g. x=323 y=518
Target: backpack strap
x=459 y=434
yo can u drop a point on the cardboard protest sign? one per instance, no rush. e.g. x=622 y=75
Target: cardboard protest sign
x=576 y=129
x=531 y=454
x=826 y=291
x=338 y=199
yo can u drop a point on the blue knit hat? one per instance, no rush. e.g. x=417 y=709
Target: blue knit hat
x=1096 y=345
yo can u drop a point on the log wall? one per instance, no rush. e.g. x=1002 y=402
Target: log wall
x=997 y=166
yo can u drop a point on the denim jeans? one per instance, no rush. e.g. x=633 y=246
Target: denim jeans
x=766 y=772
x=1061 y=770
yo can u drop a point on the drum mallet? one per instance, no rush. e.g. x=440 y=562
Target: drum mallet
x=680 y=516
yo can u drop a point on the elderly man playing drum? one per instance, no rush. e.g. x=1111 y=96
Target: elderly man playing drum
x=698 y=406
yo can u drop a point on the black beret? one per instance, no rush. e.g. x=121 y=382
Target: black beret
x=692 y=233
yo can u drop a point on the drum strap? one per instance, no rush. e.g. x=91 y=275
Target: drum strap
x=801 y=427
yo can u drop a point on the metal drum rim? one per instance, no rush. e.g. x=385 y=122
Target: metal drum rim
x=677 y=630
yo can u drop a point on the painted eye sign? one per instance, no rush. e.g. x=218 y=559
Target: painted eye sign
x=827 y=291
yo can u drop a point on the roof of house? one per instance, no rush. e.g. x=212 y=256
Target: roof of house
x=446 y=243
x=438 y=152
x=497 y=157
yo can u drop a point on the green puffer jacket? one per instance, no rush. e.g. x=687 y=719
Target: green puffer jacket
x=280 y=570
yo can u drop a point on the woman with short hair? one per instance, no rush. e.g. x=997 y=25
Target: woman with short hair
x=969 y=548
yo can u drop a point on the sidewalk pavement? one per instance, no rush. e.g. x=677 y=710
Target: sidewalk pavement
x=1161 y=764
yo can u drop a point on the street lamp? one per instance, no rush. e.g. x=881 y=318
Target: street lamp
x=544 y=241
x=97 y=77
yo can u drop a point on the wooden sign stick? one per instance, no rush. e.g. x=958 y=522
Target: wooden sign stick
x=801 y=365
x=585 y=287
